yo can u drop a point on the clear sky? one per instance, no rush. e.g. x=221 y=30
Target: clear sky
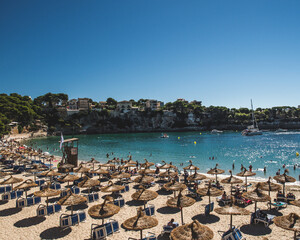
x=220 y=52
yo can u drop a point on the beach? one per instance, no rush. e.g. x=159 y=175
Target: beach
x=23 y=224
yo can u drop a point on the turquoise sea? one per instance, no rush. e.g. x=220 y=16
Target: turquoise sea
x=270 y=149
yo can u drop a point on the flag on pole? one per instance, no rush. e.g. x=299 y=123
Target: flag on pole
x=61 y=140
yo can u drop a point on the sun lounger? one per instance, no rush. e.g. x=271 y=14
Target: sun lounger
x=149 y=236
x=278 y=205
x=150 y=210
x=232 y=234
x=119 y=202
x=5 y=189
x=43 y=210
x=40 y=182
x=71 y=220
x=209 y=208
x=224 y=201
x=168 y=229
x=55 y=186
x=92 y=197
x=98 y=232
x=101 y=231
x=126 y=189
x=260 y=216
x=23 y=202
x=12 y=195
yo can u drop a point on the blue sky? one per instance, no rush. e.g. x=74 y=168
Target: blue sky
x=220 y=52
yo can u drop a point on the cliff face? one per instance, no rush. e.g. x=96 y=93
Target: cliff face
x=160 y=121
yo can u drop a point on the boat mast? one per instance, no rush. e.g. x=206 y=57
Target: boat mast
x=252 y=114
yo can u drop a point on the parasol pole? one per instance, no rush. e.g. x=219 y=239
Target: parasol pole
x=255 y=206
x=246 y=183
x=181 y=215
x=71 y=209
x=47 y=201
x=141 y=234
x=230 y=221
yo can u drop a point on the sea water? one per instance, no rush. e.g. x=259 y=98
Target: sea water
x=271 y=150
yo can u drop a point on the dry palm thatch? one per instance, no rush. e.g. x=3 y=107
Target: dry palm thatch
x=2 y=174
x=245 y=173
x=120 y=175
x=50 y=173
x=180 y=202
x=93 y=161
x=104 y=210
x=268 y=186
x=289 y=222
x=25 y=185
x=143 y=179
x=140 y=222
x=144 y=195
x=71 y=199
x=81 y=169
x=191 y=167
x=47 y=192
x=166 y=166
x=68 y=178
x=11 y=180
x=146 y=171
x=192 y=231
x=168 y=174
x=174 y=186
x=257 y=196
x=111 y=187
x=209 y=191
x=296 y=202
x=232 y=210
x=147 y=164
x=284 y=178
x=67 y=166
x=88 y=183
x=231 y=180
x=196 y=177
x=216 y=171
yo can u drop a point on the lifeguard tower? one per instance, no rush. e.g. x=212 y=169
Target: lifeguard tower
x=70 y=151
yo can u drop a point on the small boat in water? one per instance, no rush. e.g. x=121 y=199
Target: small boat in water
x=253 y=129
x=216 y=131
x=164 y=135
x=281 y=130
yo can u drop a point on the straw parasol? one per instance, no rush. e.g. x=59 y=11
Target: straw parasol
x=257 y=196
x=168 y=174
x=146 y=171
x=67 y=166
x=128 y=165
x=216 y=171
x=100 y=171
x=71 y=199
x=196 y=177
x=143 y=179
x=209 y=191
x=81 y=169
x=93 y=161
x=284 y=178
x=191 y=167
x=111 y=187
x=180 y=202
x=88 y=183
x=131 y=162
x=289 y=222
x=245 y=173
x=121 y=175
x=296 y=202
x=108 y=165
x=25 y=185
x=231 y=180
x=104 y=210
x=192 y=231
x=232 y=210
x=47 y=192
x=269 y=186
x=147 y=164
x=166 y=166
x=50 y=173
x=11 y=180
x=68 y=178
x=144 y=195
x=174 y=186
x=140 y=222
x=2 y=174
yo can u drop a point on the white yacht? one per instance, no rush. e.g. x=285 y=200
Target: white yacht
x=253 y=129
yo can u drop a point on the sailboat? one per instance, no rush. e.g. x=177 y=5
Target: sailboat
x=253 y=129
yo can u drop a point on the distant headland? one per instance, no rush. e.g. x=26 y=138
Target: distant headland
x=55 y=113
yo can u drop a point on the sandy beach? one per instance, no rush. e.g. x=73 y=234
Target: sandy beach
x=17 y=223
